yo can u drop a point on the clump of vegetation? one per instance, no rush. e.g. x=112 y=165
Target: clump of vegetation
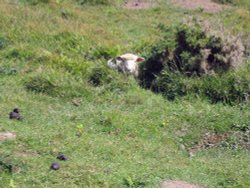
x=170 y=85
x=230 y=88
x=194 y=51
x=3 y=42
x=189 y=52
x=57 y=83
x=105 y=79
x=99 y=76
x=40 y=85
x=10 y=165
x=6 y=70
x=19 y=53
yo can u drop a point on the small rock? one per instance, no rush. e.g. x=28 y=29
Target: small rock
x=54 y=166
x=76 y=102
x=16 y=110
x=15 y=114
x=62 y=157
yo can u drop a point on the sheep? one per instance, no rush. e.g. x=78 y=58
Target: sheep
x=127 y=64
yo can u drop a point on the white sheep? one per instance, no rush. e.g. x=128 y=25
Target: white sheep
x=127 y=64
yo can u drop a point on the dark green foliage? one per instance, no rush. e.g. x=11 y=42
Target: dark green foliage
x=10 y=165
x=6 y=70
x=102 y=77
x=170 y=84
x=187 y=60
x=99 y=76
x=228 y=88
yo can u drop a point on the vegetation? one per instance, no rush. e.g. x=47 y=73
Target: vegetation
x=116 y=134
x=189 y=59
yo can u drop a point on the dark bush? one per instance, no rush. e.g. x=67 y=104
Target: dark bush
x=170 y=85
x=99 y=76
x=190 y=60
x=230 y=88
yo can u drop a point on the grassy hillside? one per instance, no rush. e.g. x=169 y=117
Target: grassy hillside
x=116 y=134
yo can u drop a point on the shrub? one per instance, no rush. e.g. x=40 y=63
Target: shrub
x=108 y=80
x=170 y=84
x=99 y=76
x=189 y=59
x=192 y=51
x=230 y=88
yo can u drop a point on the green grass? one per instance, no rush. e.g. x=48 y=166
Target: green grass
x=121 y=135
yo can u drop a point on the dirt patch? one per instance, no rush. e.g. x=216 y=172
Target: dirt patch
x=139 y=4
x=209 y=140
x=206 y=5
x=179 y=184
x=7 y=136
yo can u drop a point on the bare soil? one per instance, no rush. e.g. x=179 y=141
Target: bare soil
x=209 y=140
x=206 y=5
x=179 y=184
x=7 y=136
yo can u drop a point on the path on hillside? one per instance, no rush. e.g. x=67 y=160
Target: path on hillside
x=206 y=5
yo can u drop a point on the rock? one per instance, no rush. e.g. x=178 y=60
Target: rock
x=62 y=157
x=15 y=114
x=16 y=110
x=76 y=102
x=54 y=166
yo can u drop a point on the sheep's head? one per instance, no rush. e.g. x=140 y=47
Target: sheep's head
x=127 y=64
